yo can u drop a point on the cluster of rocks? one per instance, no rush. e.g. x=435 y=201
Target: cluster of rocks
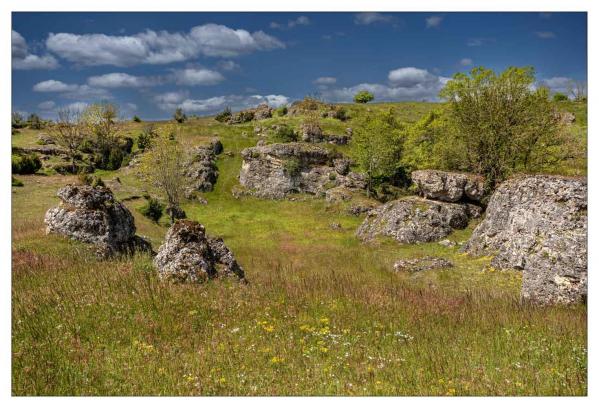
x=538 y=224
x=262 y=111
x=201 y=168
x=448 y=206
x=313 y=133
x=421 y=264
x=276 y=170
x=92 y=215
x=188 y=255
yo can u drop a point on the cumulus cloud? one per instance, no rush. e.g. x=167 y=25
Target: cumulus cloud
x=197 y=76
x=22 y=59
x=405 y=84
x=228 y=65
x=545 y=35
x=433 y=21
x=122 y=80
x=325 y=81
x=466 y=62
x=558 y=84
x=159 y=47
x=72 y=91
x=172 y=100
x=301 y=20
x=46 y=105
x=371 y=18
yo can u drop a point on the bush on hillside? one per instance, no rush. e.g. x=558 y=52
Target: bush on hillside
x=284 y=134
x=25 y=163
x=146 y=137
x=224 y=116
x=136 y=119
x=559 y=97
x=281 y=110
x=153 y=209
x=363 y=97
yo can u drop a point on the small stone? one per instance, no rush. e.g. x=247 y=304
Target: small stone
x=421 y=264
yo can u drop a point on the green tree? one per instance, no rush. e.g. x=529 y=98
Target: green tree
x=17 y=120
x=164 y=166
x=179 y=115
x=363 y=97
x=500 y=120
x=34 y=121
x=101 y=122
x=136 y=119
x=558 y=97
x=376 y=146
x=69 y=132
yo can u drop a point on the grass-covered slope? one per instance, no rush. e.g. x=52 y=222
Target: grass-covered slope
x=322 y=313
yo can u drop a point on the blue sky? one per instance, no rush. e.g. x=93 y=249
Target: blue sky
x=151 y=63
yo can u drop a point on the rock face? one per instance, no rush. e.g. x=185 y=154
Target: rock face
x=414 y=219
x=538 y=224
x=202 y=170
x=449 y=186
x=311 y=132
x=421 y=264
x=275 y=170
x=189 y=255
x=92 y=215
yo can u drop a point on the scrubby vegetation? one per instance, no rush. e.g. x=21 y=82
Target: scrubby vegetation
x=25 y=163
x=322 y=314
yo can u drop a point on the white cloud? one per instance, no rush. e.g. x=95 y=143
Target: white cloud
x=22 y=59
x=545 y=35
x=228 y=65
x=433 y=21
x=173 y=100
x=466 y=61
x=197 y=76
x=325 y=81
x=159 y=47
x=121 y=80
x=558 y=84
x=405 y=84
x=71 y=91
x=46 y=105
x=52 y=85
x=301 y=20
x=77 y=106
x=370 y=18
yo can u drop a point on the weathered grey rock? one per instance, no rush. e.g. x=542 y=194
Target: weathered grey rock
x=45 y=139
x=189 y=255
x=414 y=219
x=338 y=194
x=449 y=186
x=447 y=243
x=202 y=170
x=421 y=264
x=337 y=139
x=262 y=111
x=342 y=165
x=538 y=224
x=566 y=118
x=276 y=170
x=216 y=145
x=92 y=215
x=311 y=132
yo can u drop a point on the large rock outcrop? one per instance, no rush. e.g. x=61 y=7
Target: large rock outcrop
x=413 y=219
x=189 y=255
x=538 y=224
x=276 y=170
x=201 y=169
x=92 y=215
x=449 y=186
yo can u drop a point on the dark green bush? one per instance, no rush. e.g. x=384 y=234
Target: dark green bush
x=24 y=163
x=115 y=159
x=146 y=137
x=224 y=116
x=558 y=97
x=87 y=146
x=153 y=209
x=281 y=110
x=90 y=180
x=179 y=115
x=292 y=166
x=136 y=119
x=284 y=134
x=34 y=121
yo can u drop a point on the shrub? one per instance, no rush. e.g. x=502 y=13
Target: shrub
x=16 y=183
x=115 y=159
x=90 y=180
x=558 y=97
x=153 y=209
x=281 y=110
x=340 y=113
x=363 y=97
x=146 y=137
x=285 y=134
x=17 y=120
x=224 y=116
x=136 y=119
x=179 y=115
x=23 y=163
x=34 y=121
x=87 y=146
x=292 y=166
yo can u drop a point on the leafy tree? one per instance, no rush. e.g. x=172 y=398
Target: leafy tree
x=281 y=110
x=558 y=97
x=101 y=122
x=363 y=97
x=179 y=115
x=136 y=119
x=376 y=146
x=500 y=120
x=17 y=120
x=34 y=121
x=146 y=137
x=164 y=166
x=224 y=116
x=284 y=134
x=69 y=132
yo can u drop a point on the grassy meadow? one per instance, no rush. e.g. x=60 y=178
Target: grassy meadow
x=322 y=314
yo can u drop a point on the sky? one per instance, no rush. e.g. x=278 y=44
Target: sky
x=151 y=63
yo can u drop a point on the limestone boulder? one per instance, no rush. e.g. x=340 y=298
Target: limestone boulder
x=449 y=186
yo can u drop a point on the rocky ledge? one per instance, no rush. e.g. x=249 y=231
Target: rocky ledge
x=538 y=224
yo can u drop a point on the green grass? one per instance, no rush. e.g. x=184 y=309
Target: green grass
x=323 y=314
